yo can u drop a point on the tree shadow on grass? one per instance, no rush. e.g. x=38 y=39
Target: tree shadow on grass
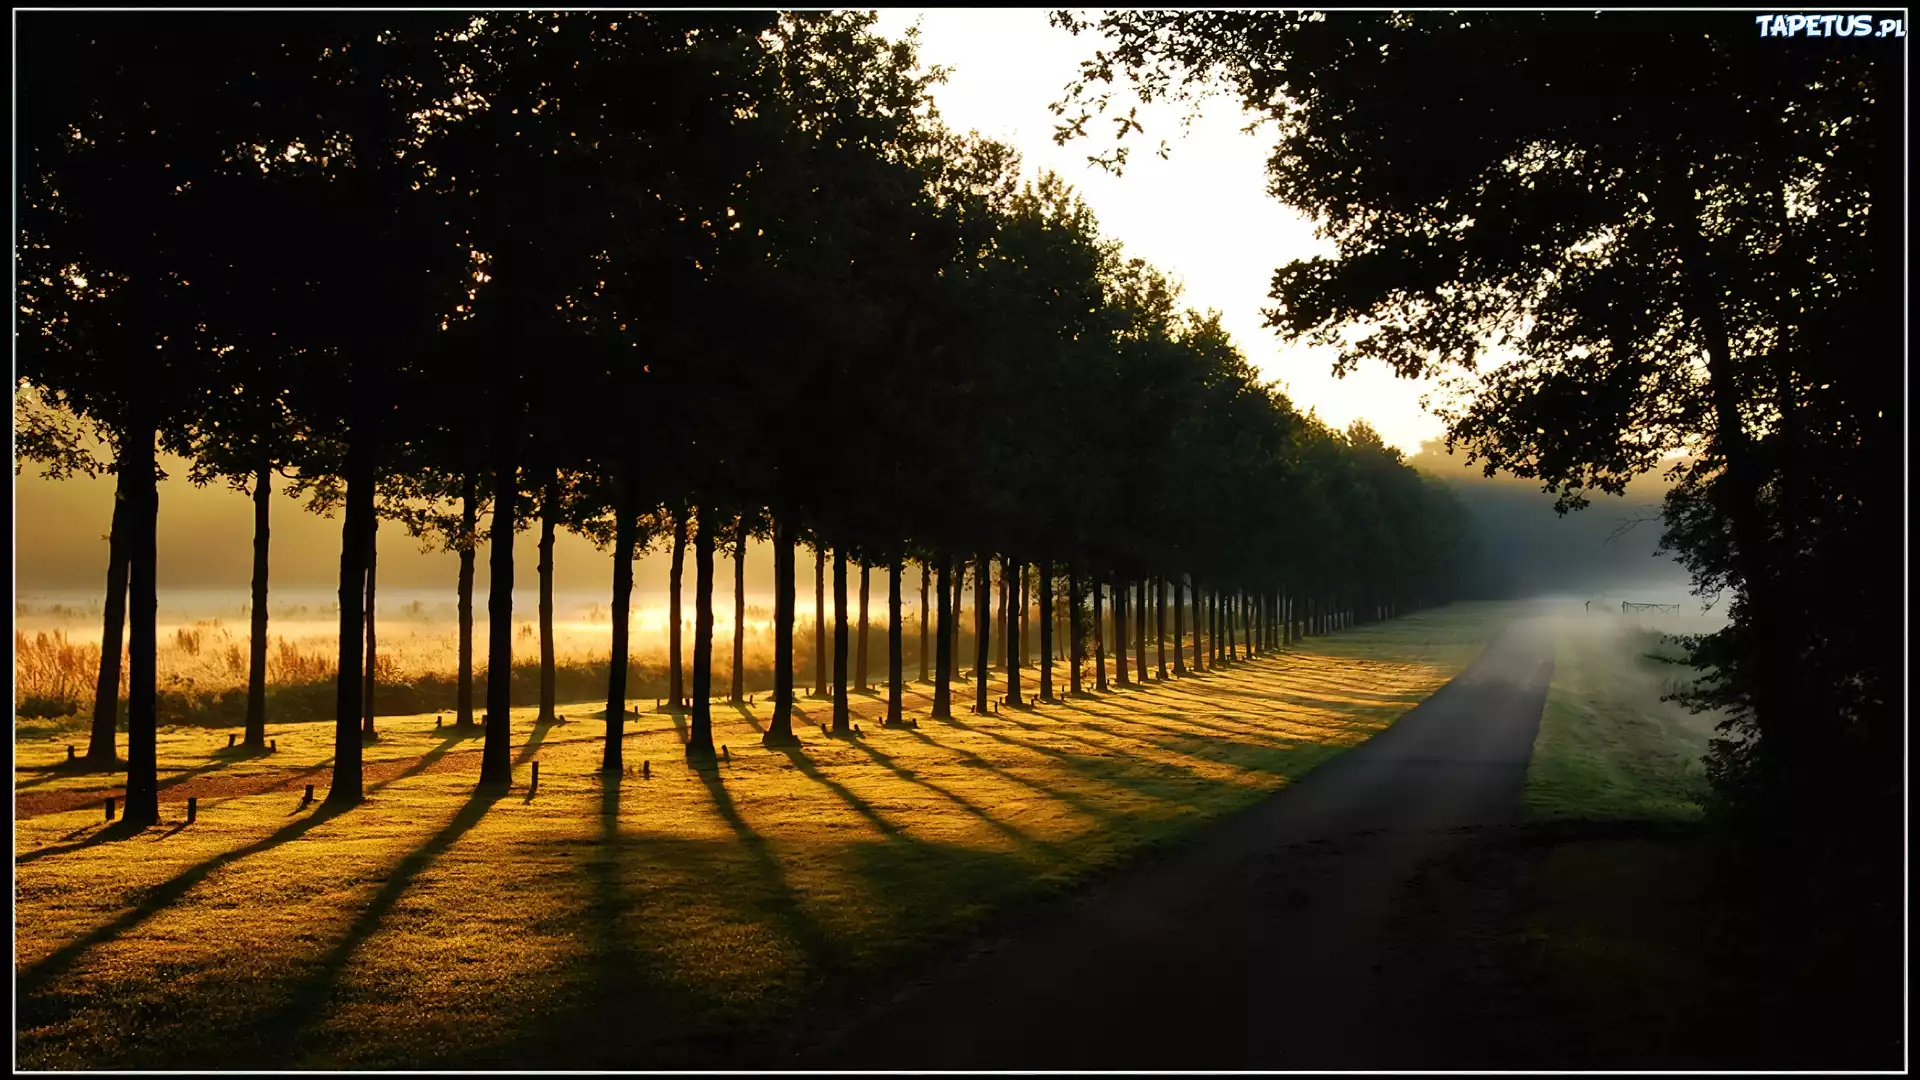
x=35 y=1006
x=908 y=775
x=975 y=760
x=305 y=1007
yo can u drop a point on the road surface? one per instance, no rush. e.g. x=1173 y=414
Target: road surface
x=1266 y=943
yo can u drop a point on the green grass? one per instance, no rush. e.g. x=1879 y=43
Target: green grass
x=1608 y=748
x=678 y=920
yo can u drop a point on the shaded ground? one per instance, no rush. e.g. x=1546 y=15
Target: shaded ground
x=675 y=919
x=1267 y=944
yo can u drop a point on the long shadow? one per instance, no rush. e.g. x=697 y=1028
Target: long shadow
x=814 y=940
x=1075 y=801
x=533 y=741
x=957 y=800
x=422 y=763
x=303 y=1008
x=34 y=978
x=1089 y=768
x=859 y=805
x=118 y=830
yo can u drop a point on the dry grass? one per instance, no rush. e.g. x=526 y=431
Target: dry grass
x=624 y=922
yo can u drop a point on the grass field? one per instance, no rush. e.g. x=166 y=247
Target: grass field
x=680 y=919
x=1609 y=749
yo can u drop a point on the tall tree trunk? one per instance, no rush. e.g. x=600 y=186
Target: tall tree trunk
x=469 y=540
x=1076 y=643
x=1099 y=639
x=1740 y=496
x=367 y=680
x=256 y=727
x=1045 y=589
x=841 y=719
x=1001 y=587
x=700 y=724
x=549 y=496
x=106 y=692
x=1026 y=611
x=676 y=685
x=959 y=609
x=895 y=672
x=943 y=643
x=143 y=609
x=736 y=693
x=982 y=611
x=624 y=539
x=819 y=621
x=924 y=620
x=496 y=749
x=1120 y=673
x=1140 y=627
x=780 y=727
x=347 y=786
x=860 y=647
x=1179 y=625
x=1013 y=635
x=1160 y=624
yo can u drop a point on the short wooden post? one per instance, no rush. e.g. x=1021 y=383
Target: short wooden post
x=273 y=746
x=193 y=809
x=229 y=740
x=109 y=809
x=646 y=770
x=308 y=797
x=69 y=753
x=535 y=786
x=438 y=720
x=725 y=754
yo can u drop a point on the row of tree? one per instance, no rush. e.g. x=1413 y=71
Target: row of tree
x=658 y=278
x=1693 y=243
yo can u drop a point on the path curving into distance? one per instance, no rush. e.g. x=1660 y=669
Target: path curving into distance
x=1264 y=943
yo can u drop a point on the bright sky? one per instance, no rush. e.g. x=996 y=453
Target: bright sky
x=1202 y=215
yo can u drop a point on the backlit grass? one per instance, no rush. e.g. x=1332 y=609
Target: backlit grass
x=1609 y=749
x=625 y=922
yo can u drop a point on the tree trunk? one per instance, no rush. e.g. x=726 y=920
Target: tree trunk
x=1140 y=628
x=347 y=785
x=943 y=643
x=1120 y=673
x=624 y=539
x=1013 y=634
x=924 y=620
x=1026 y=612
x=1099 y=640
x=700 y=724
x=819 y=621
x=548 y=497
x=736 y=693
x=1179 y=625
x=1741 y=501
x=367 y=680
x=1076 y=643
x=860 y=645
x=841 y=716
x=469 y=540
x=959 y=609
x=1046 y=631
x=676 y=685
x=106 y=692
x=1160 y=624
x=143 y=609
x=982 y=611
x=895 y=672
x=256 y=726
x=496 y=750
x=780 y=727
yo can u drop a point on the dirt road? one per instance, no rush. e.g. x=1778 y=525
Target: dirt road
x=1266 y=943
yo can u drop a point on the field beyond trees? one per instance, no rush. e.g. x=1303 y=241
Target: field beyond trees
x=683 y=918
